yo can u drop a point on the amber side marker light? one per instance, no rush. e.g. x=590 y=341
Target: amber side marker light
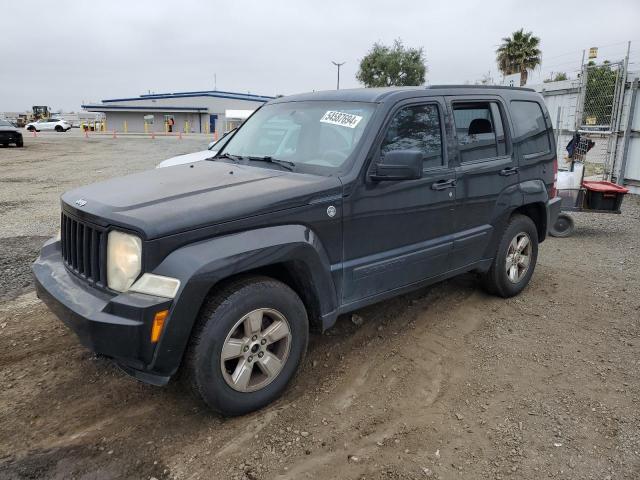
x=158 y=324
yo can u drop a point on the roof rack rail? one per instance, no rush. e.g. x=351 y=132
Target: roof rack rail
x=487 y=87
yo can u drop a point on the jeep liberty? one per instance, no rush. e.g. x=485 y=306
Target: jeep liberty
x=318 y=205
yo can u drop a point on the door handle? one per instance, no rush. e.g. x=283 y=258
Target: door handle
x=505 y=172
x=444 y=184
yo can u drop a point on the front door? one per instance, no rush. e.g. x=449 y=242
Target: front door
x=398 y=233
x=487 y=175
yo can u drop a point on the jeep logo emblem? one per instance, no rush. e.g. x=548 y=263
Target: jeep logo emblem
x=80 y=202
x=331 y=211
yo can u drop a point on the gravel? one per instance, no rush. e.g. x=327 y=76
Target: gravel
x=446 y=382
x=16 y=256
x=33 y=178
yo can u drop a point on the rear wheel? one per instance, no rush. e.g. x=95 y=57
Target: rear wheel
x=249 y=342
x=20 y=143
x=563 y=227
x=59 y=128
x=31 y=129
x=515 y=259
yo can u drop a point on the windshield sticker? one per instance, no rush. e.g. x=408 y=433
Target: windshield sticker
x=340 y=118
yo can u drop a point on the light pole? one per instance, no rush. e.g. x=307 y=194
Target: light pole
x=338 y=65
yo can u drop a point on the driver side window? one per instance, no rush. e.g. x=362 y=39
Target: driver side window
x=416 y=127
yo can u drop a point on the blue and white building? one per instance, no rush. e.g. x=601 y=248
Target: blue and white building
x=193 y=112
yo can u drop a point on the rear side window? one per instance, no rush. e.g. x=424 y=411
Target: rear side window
x=479 y=130
x=416 y=127
x=530 y=128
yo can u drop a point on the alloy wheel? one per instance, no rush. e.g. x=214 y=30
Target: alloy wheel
x=255 y=350
x=518 y=257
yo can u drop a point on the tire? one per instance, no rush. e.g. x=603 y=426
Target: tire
x=20 y=144
x=59 y=129
x=563 y=227
x=224 y=385
x=31 y=129
x=496 y=280
x=5 y=145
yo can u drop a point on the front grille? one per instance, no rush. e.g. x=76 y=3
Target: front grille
x=84 y=249
x=9 y=136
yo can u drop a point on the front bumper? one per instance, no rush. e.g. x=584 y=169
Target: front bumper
x=117 y=326
x=10 y=137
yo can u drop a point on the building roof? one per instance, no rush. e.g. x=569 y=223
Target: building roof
x=101 y=107
x=203 y=93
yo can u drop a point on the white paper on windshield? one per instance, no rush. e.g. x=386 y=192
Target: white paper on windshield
x=340 y=118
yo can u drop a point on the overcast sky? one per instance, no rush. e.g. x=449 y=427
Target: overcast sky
x=61 y=53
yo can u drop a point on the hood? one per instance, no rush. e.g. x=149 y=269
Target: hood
x=187 y=158
x=165 y=201
x=8 y=128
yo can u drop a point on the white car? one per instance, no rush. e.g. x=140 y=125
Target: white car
x=49 y=124
x=211 y=151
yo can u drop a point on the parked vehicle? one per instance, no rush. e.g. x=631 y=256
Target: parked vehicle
x=56 y=124
x=320 y=204
x=9 y=133
x=210 y=152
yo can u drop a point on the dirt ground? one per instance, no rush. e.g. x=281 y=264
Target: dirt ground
x=447 y=382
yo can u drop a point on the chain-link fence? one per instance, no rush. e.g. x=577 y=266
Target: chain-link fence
x=597 y=116
x=586 y=114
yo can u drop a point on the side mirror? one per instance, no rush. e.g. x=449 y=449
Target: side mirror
x=399 y=165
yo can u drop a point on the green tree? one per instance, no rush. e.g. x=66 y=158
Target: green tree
x=519 y=53
x=558 y=77
x=598 y=97
x=397 y=65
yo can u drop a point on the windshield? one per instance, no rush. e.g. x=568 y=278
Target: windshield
x=315 y=136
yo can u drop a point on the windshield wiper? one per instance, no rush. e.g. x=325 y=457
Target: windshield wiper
x=283 y=163
x=234 y=158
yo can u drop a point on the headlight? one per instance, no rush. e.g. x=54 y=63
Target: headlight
x=124 y=260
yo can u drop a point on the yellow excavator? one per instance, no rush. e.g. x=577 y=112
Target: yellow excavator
x=40 y=111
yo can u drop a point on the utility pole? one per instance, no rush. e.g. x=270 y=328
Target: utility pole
x=338 y=65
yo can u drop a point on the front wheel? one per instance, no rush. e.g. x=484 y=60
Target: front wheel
x=515 y=259
x=59 y=129
x=250 y=339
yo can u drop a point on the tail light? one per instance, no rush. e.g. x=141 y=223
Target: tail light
x=554 y=188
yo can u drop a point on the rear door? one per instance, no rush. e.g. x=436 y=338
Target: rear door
x=487 y=174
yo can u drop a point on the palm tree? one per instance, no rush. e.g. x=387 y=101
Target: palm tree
x=519 y=54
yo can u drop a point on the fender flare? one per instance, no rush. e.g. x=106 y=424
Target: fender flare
x=510 y=199
x=202 y=265
x=534 y=193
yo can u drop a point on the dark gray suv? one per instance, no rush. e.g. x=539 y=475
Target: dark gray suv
x=319 y=204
